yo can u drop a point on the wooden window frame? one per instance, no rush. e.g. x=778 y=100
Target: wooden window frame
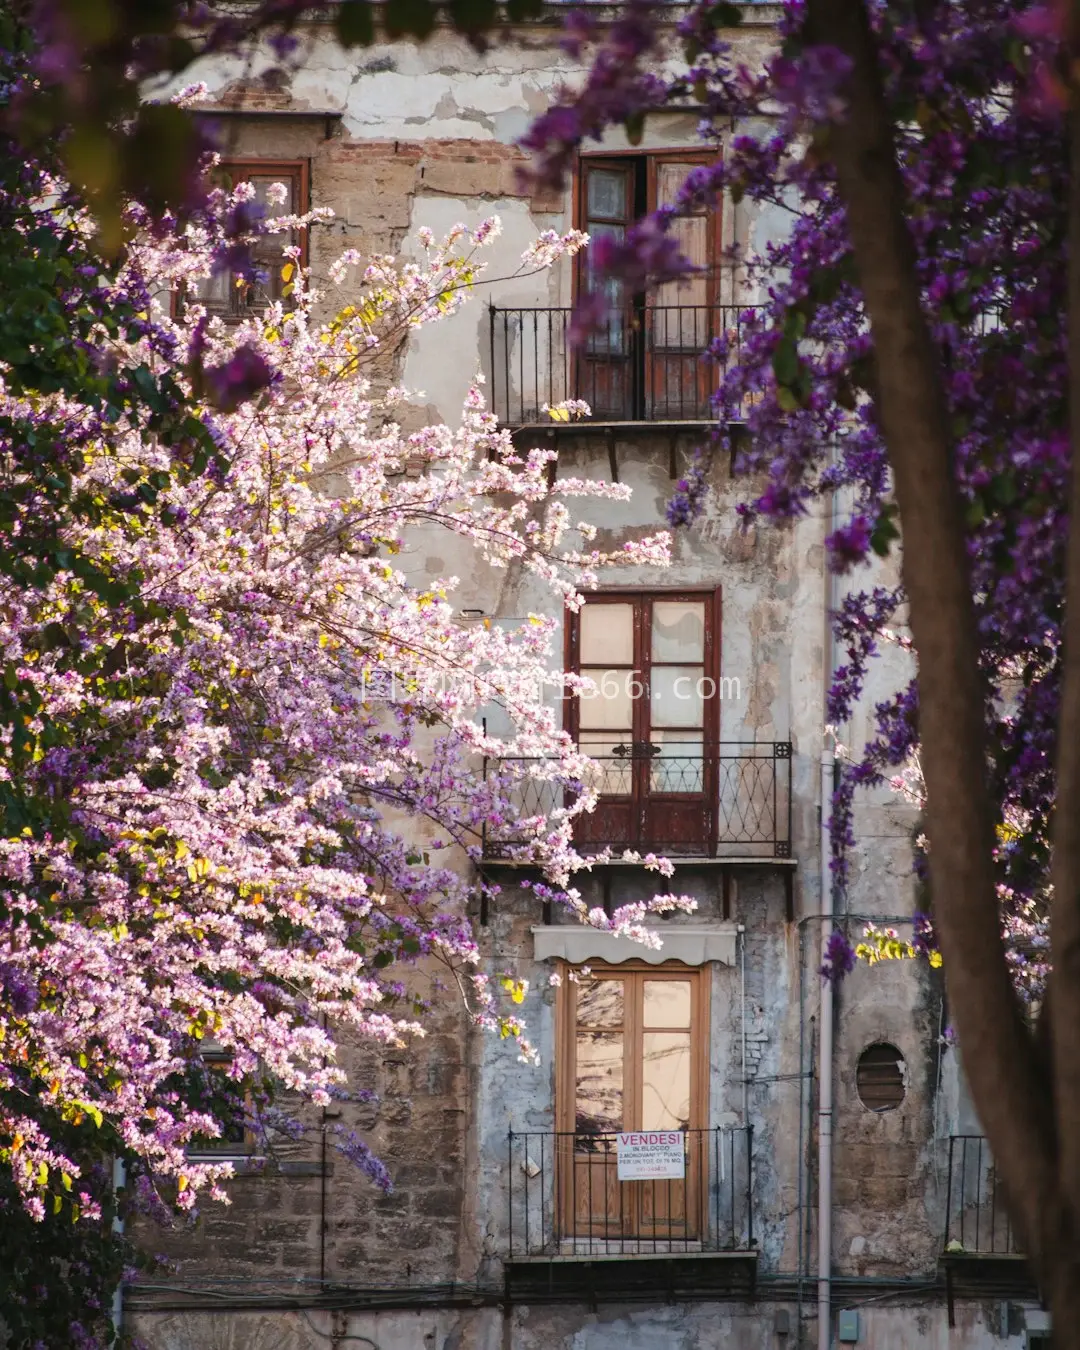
x=713 y=598
x=644 y=816
x=647 y=363
x=243 y=169
x=591 y=1202
x=650 y=158
x=634 y=973
x=221 y=1149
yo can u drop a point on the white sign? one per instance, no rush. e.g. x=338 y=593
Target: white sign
x=651 y=1155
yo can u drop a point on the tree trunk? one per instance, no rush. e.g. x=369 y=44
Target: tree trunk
x=1008 y=1081
x=1065 y=920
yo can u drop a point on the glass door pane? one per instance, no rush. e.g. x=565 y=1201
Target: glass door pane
x=665 y=1054
x=600 y=1055
x=607 y=633
x=665 y=1091
x=606 y=716
x=596 y=1196
x=678 y=630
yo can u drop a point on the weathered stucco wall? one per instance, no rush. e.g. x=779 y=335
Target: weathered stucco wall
x=896 y=1326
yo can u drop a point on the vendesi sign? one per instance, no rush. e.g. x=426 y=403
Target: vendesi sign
x=651 y=1155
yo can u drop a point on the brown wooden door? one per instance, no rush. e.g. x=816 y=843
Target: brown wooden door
x=635 y=1058
x=681 y=316
x=652 y=722
x=607 y=368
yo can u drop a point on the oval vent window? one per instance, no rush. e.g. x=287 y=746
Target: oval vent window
x=880 y=1077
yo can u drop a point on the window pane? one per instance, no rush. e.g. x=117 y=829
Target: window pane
x=677 y=696
x=667 y=1003
x=261 y=184
x=611 y=335
x=679 y=767
x=606 y=196
x=599 y=1096
x=665 y=1080
x=614 y=771
x=600 y=1004
x=213 y=292
x=607 y=634
x=609 y=704
x=678 y=630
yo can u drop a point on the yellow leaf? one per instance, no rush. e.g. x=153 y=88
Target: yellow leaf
x=181 y=1184
x=287 y=271
x=182 y=850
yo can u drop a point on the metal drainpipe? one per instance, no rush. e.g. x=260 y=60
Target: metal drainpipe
x=825 y=1079
x=825 y=1027
x=742 y=997
x=119 y=1179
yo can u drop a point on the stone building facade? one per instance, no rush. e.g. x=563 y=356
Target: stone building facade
x=509 y=1227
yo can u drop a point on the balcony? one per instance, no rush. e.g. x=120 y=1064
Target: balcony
x=647 y=365
x=729 y=801
x=579 y=1233
x=980 y=1255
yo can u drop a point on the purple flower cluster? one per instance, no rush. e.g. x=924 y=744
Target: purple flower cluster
x=839 y=958
x=984 y=168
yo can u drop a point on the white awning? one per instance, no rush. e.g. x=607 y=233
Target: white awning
x=580 y=944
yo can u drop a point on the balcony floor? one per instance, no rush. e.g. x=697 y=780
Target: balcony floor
x=676 y=1277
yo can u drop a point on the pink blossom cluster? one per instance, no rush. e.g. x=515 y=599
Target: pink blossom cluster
x=262 y=844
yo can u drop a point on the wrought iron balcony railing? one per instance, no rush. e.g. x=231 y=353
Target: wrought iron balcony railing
x=566 y=1199
x=646 y=364
x=976 y=1220
x=728 y=799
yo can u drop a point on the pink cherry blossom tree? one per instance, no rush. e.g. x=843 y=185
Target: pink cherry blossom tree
x=275 y=799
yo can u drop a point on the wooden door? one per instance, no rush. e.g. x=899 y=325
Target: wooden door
x=681 y=316
x=635 y=1059
x=653 y=720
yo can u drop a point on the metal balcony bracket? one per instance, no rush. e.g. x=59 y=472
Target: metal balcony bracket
x=673 y=463
x=789 y=895
x=613 y=459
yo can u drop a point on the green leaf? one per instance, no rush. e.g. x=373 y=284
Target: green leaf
x=518 y=10
x=409 y=18
x=473 y=16
x=884 y=532
x=724 y=15
x=354 y=22
x=785 y=362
